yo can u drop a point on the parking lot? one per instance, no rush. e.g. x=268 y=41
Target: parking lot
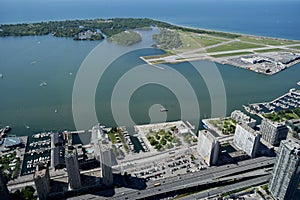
x=172 y=166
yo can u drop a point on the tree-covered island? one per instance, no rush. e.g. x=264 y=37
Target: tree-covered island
x=126 y=38
x=95 y=29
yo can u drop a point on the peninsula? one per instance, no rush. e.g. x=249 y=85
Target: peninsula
x=256 y=53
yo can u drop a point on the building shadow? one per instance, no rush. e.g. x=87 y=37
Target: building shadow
x=93 y=185
x=230 y=155
x=128 y=181
x=266 y=151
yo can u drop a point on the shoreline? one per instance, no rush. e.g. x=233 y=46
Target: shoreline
x=232 y=32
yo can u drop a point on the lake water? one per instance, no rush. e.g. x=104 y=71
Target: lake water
x=26 y=62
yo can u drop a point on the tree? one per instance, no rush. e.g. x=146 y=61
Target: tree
x=28 y=192
x=158 y=146
x=173 y=128
x=153 y=141
x=157 y=137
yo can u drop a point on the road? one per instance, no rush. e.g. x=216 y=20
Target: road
x=228 y=188
x=210 y=175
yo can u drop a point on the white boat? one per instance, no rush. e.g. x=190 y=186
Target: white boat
x=43 y=83
x=38 y=135
x=163 y=110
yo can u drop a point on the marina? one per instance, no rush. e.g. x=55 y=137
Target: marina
x=37 y=151
x=290 y=100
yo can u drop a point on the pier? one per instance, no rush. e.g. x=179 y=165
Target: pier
x=151 y=64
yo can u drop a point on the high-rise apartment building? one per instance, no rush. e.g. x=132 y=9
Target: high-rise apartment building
x=285 y=181
x=208 y=147
x=106 y=163
x=41 y=179
x=246 y=139
x=273 y=132
x=72 y=166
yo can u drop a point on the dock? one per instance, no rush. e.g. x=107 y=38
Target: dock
x=289 y=100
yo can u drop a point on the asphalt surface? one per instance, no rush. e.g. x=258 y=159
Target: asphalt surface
x=228 y=188
x=208 y=176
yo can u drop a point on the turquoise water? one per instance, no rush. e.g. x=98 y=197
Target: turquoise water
x=25 y=103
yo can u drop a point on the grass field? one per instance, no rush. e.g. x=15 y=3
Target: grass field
x=296 y=47
x=231 y=54
x=191 y=41
x=196 y=43
x=233 y=46
x=283 y=115
x=267 y=41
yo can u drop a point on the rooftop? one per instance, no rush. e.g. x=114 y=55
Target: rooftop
x=248 y=128
x=209 y=134
x=291 y=144
x=275 y=124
